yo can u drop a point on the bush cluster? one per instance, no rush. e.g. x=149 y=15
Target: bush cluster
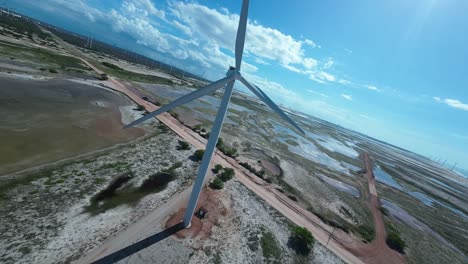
x=183 y=145
x=394 y=241
x=198 y=154
x=301 y=240
x=260 y=173
x=224 y=175
x=226 y=150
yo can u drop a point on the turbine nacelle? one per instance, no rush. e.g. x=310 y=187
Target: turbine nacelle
x=232 y=72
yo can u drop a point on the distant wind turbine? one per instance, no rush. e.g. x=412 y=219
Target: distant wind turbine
x=232 y=75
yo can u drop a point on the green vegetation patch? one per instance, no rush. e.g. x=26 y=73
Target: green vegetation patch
x=24 y=27
x=116 y=194
x=217 y=184
x=10 y=184
x=133 y=76
x=292 y=142
x=198 y=154
x=395 y=242
x=183 y=145
x=119 y=166
x=301 y=240
x=270 y=248
x=42 y=57
x=226 y=150
x=367 y=233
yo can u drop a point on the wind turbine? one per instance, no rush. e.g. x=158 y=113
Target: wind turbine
x=232 y=75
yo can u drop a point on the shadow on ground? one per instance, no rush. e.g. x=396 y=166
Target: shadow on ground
x=134 y=248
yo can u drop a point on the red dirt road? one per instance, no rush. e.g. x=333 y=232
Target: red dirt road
x=377 y=251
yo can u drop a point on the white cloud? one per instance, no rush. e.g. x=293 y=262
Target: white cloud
x=347 y=97
x=372 y=87
x=261 y=61
x=322 y=77
x=344 y=82
x=219 y=27
x=183 y=28
x=310 y=43
x=328 y=64
x=452 y=103
x=317 y=93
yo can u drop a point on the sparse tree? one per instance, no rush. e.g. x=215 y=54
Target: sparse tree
x=198 y=154
x=183 y=145
x=227 y=174
x=301 y=240
x=217 y=184
x=395 y=242
x=217 y=168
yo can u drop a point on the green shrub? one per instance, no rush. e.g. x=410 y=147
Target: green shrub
x=227 y=174
x=217 y=184
x=366 y=232
x=395 y=242
x=301 y=240
x=51 y=70
x=271 y=249
x=198 y=154
x=112 y=66
x=140 y=108
x=174 y=114
x=183 y=145
x=383 y=210
x=217 y=168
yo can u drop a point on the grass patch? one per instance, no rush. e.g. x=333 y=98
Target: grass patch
x=270 y=248
x=367 y=233
x=99 y=180
x=395 y=242
x=301 y=240
x=42 y=56
x=116 y=194
x=119 y=166
x=24 y=250
x=183 y=145
x=292 y=142
x=217 y=184
x=132 y=76
x=12 y=183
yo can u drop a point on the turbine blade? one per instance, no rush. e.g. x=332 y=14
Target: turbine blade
x=184 y=99
x=260 y=94
x=240 y=39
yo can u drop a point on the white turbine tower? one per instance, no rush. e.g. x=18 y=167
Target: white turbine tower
x=232 y=75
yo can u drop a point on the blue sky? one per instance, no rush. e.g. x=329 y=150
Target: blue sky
x=395 y=70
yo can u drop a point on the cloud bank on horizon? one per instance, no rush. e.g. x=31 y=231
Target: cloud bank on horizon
x=301 y=71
